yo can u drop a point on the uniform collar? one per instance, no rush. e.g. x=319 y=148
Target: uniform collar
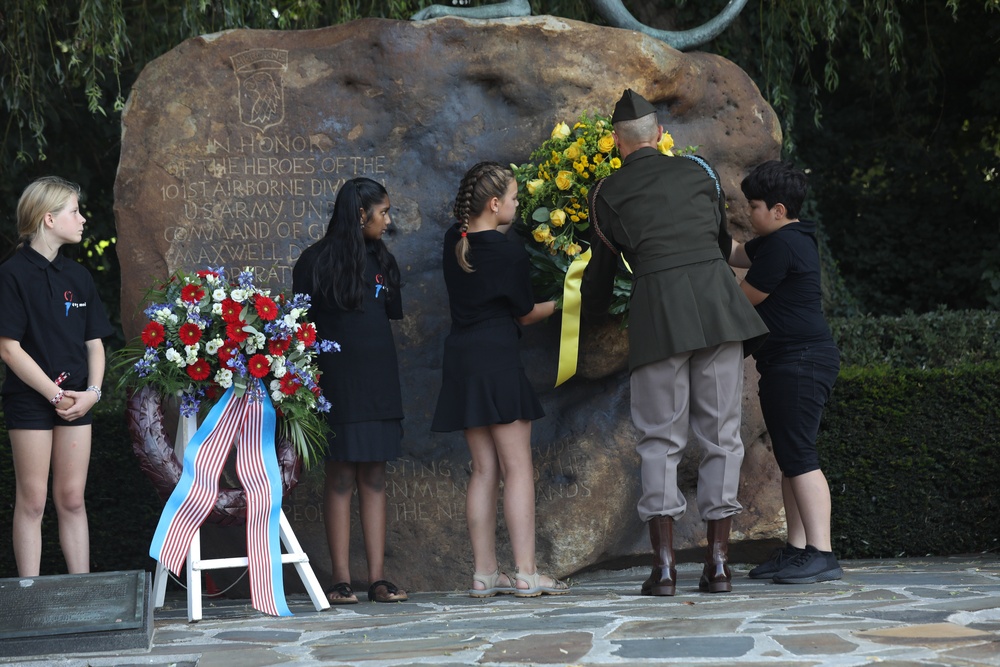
x=645 y=151
x=39 y=261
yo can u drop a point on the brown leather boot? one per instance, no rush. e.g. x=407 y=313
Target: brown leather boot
x=716 y=578
x=663 y=579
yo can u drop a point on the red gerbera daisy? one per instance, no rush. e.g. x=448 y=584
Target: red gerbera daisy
x=229 y=350
x=278 y=346
x=290 y=384
x=266 y=307
x=189 y=333
x=307 y=334
x=205 y=273
x=192 y=293
x=257 y=366
x=230 y=310
x=153 y=334
x=213 y=391
x=235 y=332
x=199 y=370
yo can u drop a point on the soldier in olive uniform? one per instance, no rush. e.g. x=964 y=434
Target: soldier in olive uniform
x=690 y=327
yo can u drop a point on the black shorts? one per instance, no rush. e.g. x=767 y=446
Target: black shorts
x=29 y=411
x=793 y=390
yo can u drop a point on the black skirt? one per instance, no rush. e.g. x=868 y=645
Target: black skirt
x=483 y=381
x=365 y=442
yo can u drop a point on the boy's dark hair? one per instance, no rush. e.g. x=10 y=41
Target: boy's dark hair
x=776 y=182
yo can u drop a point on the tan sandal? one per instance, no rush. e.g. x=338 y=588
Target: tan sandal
x=535 y=587
x=491 y=585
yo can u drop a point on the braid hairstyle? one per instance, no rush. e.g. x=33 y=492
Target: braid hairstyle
x=480 y=184
x=339 y=271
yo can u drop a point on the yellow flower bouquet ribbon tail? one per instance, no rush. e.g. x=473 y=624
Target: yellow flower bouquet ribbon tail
x=569 y=337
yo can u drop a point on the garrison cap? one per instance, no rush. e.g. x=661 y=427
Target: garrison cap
x=631 y=106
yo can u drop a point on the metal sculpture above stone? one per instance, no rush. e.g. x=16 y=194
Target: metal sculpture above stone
x=234 y=145
x=612 y=11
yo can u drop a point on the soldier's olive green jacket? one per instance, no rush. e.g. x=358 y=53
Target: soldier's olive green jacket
x=667 y=217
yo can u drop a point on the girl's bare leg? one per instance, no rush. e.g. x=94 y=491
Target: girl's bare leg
x=32 y=452
x=371 y=501
x=337 y=491
x=481 y=499
x=513 y=446
x=70 y=462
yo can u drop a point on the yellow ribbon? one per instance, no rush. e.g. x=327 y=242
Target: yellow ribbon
x=569 y=336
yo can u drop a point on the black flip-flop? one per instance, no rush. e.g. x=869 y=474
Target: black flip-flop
x=346 y=593
x=393 y=593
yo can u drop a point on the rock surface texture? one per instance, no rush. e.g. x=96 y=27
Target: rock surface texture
x=234 y=145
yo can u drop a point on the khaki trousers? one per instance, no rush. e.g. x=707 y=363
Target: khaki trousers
x=700 y=391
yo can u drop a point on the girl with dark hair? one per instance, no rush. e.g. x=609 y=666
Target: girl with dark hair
x=354 y=283
x=484 y=391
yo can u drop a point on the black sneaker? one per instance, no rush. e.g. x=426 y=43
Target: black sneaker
x=778 y=560
x=810 y=567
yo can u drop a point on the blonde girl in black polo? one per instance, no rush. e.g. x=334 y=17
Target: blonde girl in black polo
x=50 y=340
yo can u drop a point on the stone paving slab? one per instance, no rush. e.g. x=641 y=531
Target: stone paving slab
x=929 y=612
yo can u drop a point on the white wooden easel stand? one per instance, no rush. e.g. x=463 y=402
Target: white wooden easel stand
x=195 y=563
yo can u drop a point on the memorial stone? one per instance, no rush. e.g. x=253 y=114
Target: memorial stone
x=235 y=144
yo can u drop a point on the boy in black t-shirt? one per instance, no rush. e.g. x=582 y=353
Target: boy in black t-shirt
x=798 y=364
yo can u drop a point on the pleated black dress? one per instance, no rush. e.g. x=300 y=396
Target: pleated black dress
x=362 y=380
x=483 y=380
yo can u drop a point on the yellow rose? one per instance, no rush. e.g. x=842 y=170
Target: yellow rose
x=606 y=143
x=573 y=152
x=666 y=143
x=533 y=186
x=563 y=181
x=583 y=192
x=542 y=233
x=615 y=163
x=560 y=131
x=557 y=217
x=573 y=249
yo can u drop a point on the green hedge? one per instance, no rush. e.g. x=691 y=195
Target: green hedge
x=913 y=459
x=942 y=338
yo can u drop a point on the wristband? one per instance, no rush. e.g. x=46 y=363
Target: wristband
x=96 y=390
x=55 y=400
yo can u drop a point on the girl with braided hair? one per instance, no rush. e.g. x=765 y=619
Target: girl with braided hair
x=484 y=390
x=354 y=283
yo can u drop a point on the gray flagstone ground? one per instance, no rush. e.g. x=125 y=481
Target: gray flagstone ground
x=890 y=613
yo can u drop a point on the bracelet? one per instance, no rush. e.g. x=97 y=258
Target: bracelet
x=55 y=400
x=96 y=390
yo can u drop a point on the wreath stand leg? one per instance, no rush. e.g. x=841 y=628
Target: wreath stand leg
x=195 y=564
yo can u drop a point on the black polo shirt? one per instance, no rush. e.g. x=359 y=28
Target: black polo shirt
x=785 y=266
x=52 y=309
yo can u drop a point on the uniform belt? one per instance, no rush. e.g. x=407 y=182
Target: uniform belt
x=675 y=261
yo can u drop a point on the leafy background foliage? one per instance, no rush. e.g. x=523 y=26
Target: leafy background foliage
x=890 y=104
